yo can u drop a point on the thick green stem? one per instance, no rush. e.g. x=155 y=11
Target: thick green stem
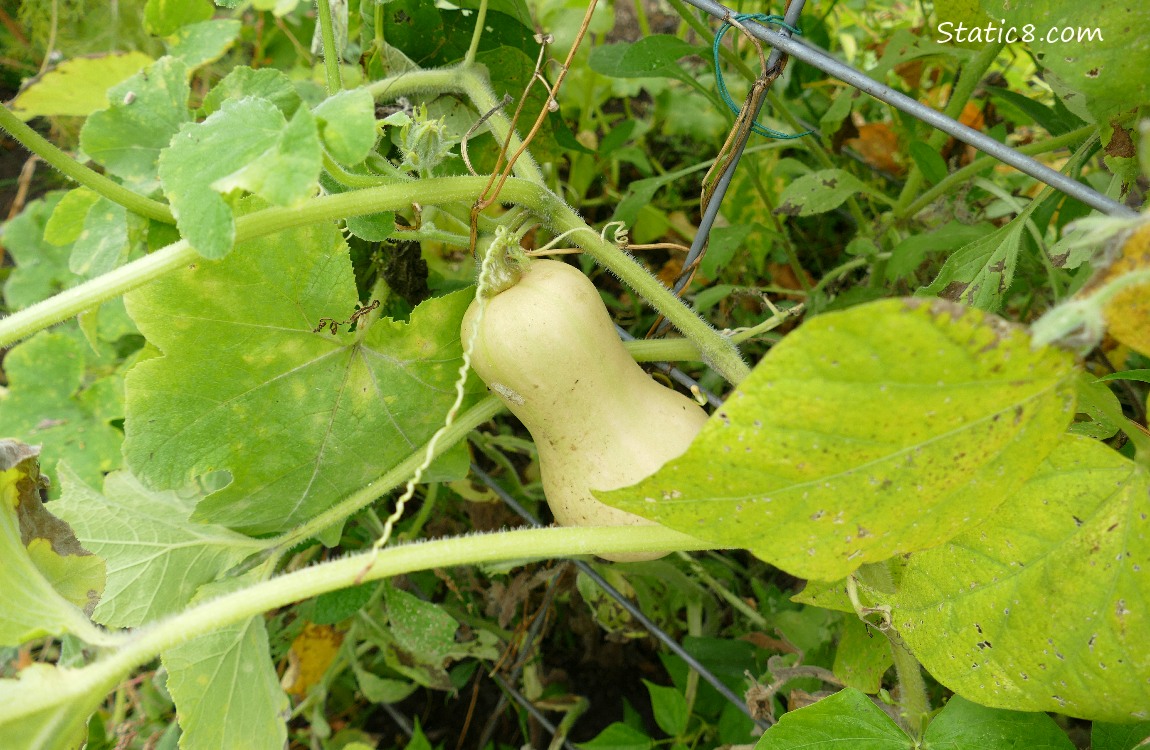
x=252 y=601
x=330 y=53
x=94 y=181
x=480 y=19
x=963 y=89
x=912 y=695
x=716 y=350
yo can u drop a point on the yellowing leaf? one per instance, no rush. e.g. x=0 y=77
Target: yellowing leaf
x=312 y=652
x=76 y=87
x=1128 y=312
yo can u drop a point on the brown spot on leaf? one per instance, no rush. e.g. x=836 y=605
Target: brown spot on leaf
x=1121 y=145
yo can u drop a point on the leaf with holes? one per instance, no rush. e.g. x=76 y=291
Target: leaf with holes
x=883 y=429
x=252 y=383
x=1043 y=607
x=819 y=192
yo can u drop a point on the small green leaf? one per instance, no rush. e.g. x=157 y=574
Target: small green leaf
x=103 y=242
x=1099 y=404
x=618 y=736
x=145 y=112
x=670 y=709
x=909 y=254
x=67 y=220
x=845 y=718
x=202 y=43
x=651 y=56
x=265 y=83
x=862 y=657
x=246 y=144
x=48 y=402
x=372 y=227
x=979 y=274
x=76 y=87
x=336 y=606
x=929 y=162
x=157 y=559
x=347 y=125
x=819 y=192
x=859 y=437
x=1042 y=606
x=962 y=725
x=1139 y=375
x=41 y=267
x=38 y=550
x=162 y=17
x=225 y=686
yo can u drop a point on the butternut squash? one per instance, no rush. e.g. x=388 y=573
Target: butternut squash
x=547 y=348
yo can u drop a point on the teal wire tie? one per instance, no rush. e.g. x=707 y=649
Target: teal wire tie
x=722 y=85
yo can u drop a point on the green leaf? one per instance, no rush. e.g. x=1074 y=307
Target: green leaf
x=39 y=551
x=265 y=83
x=372 y=227
x=103 y=243
x=929 y=162
x=225 y=687
x=867 y=433
x=1042 y=607
x=145 y=112
x=162 y=17
x=848 y=716
x=41 y=267
x=246 y=144
x=47 y=402
x=962 y=725
x=656 y=55
x=1139 y=375
x=1056 y=121
x=347 y=125
x=323 y=415
x=67 y=220
x=670 y=709
x=156 y=558
x=336 y=606
x=76 y=87
x=819 y=192
x=862 y=657
x=618 y=736
x=979 y=274
x=1105 y=67
x=909 y=254
x=1118 y=736
x=202 y=43
x=1100 y=407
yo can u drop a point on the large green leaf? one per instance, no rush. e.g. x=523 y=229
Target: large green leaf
x=819 y=192
x=962 y=725
x=253 y=384
x=1104 y=56
x=883 y=429
x=156 y=558
x=225 y=687
x=43 y=562
x=1043 y=607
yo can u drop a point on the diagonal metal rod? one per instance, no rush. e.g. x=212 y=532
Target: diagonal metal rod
x=712 y=211
x=818 y=58
x=626 y=604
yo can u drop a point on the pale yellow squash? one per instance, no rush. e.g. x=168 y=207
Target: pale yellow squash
x=546 y=346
